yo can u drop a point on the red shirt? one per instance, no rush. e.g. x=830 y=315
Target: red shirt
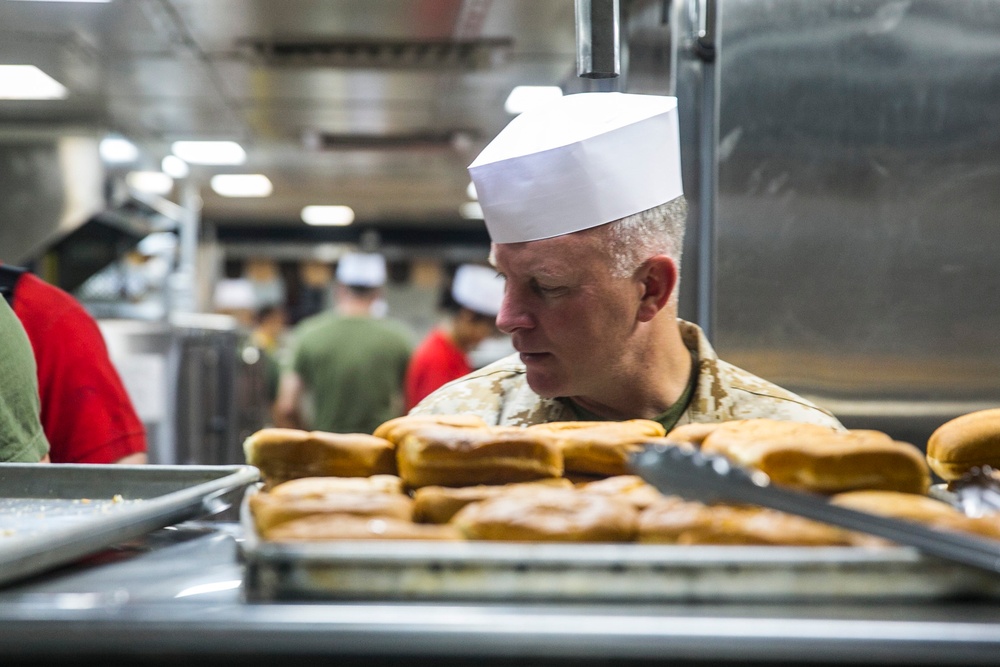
x=86 y=413
x=436 y=360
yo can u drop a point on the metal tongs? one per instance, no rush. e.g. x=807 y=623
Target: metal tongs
x=977 y=491
x=712 y=479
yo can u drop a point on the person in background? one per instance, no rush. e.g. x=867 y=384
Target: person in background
x=347 y=365
x=22 y=439
x=270 y=322
x=86 y=412
x=236 y=298
x=584 y=204
x=472 y=304
x=314 y=294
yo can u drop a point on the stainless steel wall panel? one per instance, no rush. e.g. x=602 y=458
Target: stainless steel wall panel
x=858 y=203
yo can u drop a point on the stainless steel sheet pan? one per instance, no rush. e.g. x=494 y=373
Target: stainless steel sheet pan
x=53 y=514
x=411 y=570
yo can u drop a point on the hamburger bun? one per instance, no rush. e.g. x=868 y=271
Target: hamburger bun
x=453 y=456
x=326 y=527
x=283 y=454
x=965 y=442
x=819 y=459
x=438 y=504
x=548 y=516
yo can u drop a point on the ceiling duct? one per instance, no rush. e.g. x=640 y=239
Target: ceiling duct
x=466 y=54
x=58 y=214
x=49 y=186
x=420 y=139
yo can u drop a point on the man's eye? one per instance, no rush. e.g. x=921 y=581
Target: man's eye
x=550 y=291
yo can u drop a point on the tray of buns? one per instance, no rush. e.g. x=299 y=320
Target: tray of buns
x=447 y=508
x=354 y=568
x=54 y=514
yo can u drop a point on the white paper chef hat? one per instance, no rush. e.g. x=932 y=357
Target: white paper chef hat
x=577 y=162
x=478 y=288
x=361 y=269
x=234 y=294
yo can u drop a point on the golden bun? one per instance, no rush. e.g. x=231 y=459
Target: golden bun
x=312 y=487
x=676 y=521
x=819 y=459
x=269 y=511
x=282 y=454
x=452 y=456
x=692 y=434
x=396 y=429
x=965 y=442
x=438 y=504
x=600 y=447
x=548 y=516
x=317 y=528
x=919 y=509
x=630 y=488
x=640 y=427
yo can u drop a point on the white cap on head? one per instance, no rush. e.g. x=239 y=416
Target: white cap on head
x=361 y=269
x=478 y=288
x=580 y=161
x=235 y=294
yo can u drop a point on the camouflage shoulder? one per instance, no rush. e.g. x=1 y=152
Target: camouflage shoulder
x=755 y=397
x=498 y=393
x=481 y=392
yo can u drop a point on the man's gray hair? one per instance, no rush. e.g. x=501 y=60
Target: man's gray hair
x=637 y=237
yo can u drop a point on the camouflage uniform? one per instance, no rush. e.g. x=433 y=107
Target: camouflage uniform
x=499 y=393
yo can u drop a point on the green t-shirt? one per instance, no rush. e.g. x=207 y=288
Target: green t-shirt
x=353 y=369
x=21 y=437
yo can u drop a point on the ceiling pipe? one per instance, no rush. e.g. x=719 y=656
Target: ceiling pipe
x=598 y=52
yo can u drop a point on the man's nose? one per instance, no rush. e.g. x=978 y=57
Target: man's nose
x=512 y=315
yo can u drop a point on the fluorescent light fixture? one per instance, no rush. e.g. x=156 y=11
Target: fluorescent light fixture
x=471 y=210
x=337 y=216
x=175 y=167
x=118 y=149
x=27 y=82
x=153 y=182
x=471 y=191
x=523 y=98
x=242 y=185
x=209 y=152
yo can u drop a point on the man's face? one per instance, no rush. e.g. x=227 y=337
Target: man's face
x=569 y=319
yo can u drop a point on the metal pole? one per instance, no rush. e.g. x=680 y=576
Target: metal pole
x=598 y=54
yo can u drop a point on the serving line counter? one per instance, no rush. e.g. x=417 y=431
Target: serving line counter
x=176 y=596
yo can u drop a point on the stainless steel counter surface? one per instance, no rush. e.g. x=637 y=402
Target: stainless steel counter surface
x=174 y=596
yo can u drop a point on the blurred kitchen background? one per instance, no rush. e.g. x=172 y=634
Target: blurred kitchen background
x=842 y=163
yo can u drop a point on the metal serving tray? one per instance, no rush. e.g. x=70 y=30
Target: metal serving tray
x=411 y=570
x=53 y=514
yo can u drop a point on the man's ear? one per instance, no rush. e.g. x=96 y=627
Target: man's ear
x=658 y=277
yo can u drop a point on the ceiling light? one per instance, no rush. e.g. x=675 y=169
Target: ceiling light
x=471 y=191
x=153 y=182
x=175 y=167
x=338 y=216
x=94 y=1
x=209 y=152
x=471 y=210
x=27 y=82
x=242 y=185
x=117 y=149
x=523 y=98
